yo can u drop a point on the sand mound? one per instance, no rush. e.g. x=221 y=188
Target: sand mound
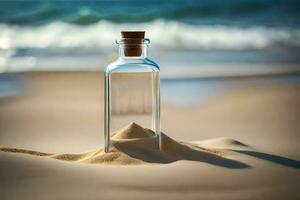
x=133 y=131
x=136 y=145
x=223 y=143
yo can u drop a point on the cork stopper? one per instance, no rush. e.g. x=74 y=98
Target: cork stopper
x=133 y=34
x=132 y=41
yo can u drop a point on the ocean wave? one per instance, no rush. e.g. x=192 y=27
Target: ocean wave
x=164 y=34
x=86 y=15
x=82 y=12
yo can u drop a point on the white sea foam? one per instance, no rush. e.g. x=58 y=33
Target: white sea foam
x=164 y=34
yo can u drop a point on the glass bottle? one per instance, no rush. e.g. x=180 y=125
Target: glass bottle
x=132 y=87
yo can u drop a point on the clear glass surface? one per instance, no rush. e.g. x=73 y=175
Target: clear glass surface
x=132 y=94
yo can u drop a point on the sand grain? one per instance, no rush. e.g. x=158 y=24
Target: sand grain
x=136 y=145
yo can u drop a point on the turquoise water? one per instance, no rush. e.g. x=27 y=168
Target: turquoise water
x=82 y=12
x=55 y=35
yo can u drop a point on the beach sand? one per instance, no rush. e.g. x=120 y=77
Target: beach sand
x=243 y=144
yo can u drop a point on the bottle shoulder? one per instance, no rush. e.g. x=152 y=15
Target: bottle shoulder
x=132 y=65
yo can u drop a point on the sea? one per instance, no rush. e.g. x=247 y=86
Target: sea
x=190 y=39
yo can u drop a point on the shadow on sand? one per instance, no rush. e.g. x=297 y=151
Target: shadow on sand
x=272 y=158
x=177 y=151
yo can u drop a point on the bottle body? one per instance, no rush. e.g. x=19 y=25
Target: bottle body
x=132 y=95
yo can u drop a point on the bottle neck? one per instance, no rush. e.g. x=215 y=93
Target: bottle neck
x=133 y=51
